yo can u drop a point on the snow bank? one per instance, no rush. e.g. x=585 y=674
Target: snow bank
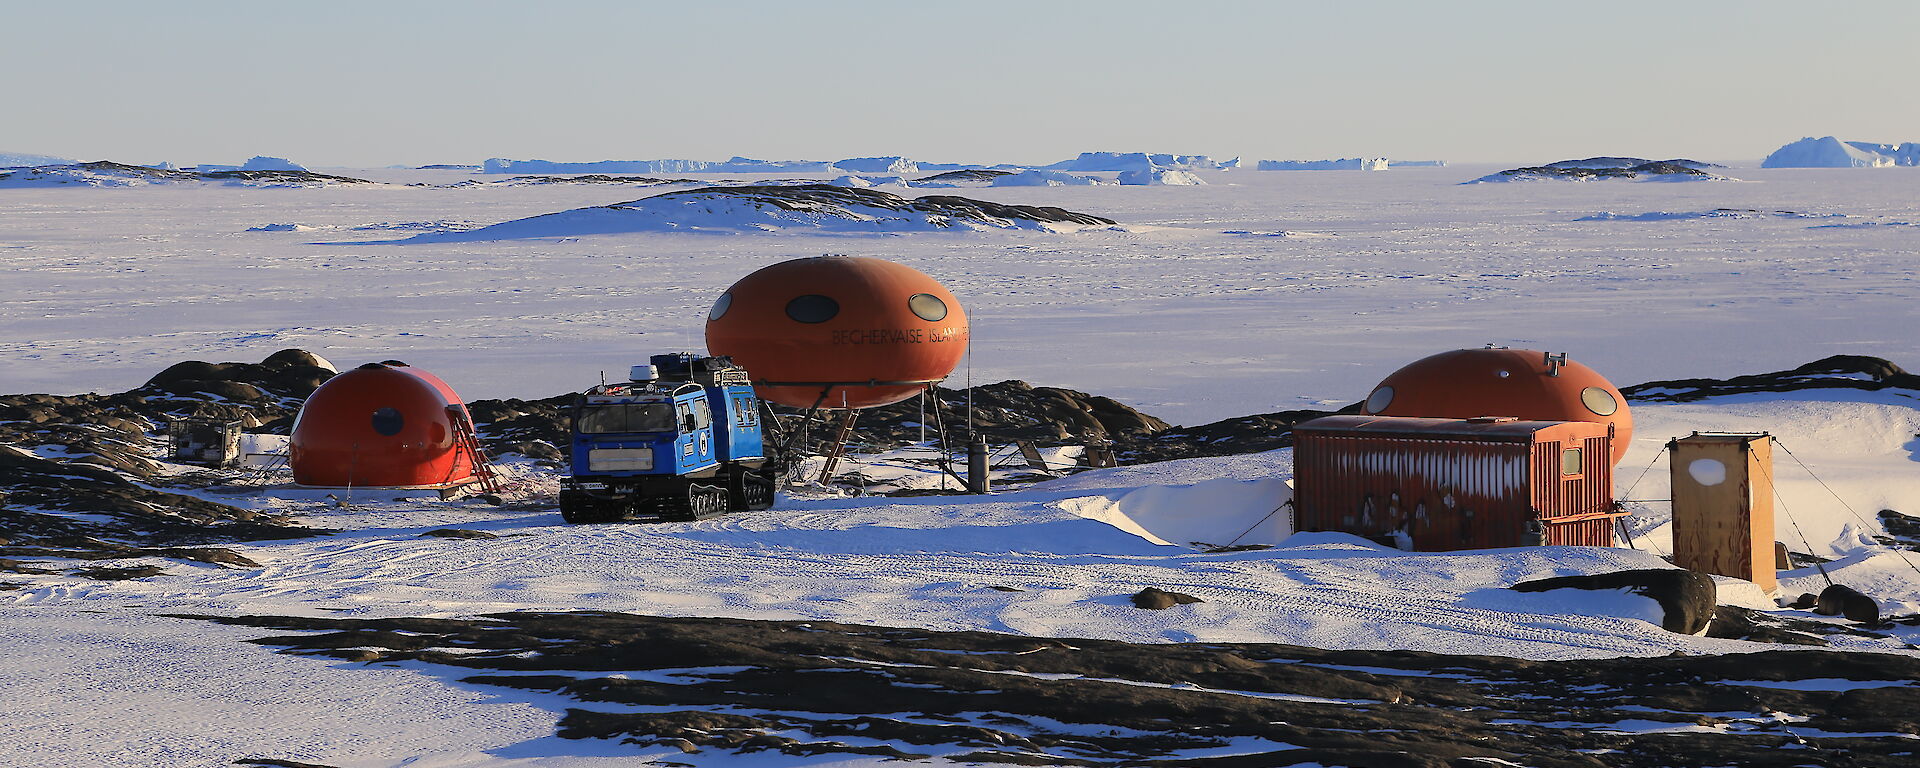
x=1213 y=513
x=1831 y=152
x=1160 y=177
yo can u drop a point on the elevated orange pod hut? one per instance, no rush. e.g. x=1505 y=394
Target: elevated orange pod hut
x=1522 y=383
x=385 y=425
x=839 y=331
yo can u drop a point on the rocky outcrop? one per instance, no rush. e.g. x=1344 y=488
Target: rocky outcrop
x=1836 y=372
x=1157 y=599
x=1664 y=169
x=983 y=697
x=69 y=463
x=965 y=174
x=106 y=173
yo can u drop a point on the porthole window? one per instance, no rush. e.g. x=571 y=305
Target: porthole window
x=1379 y=400
x=812 y=308
x=388 y=421
x=720 y=306
x=1599 y=401
x=928 y=306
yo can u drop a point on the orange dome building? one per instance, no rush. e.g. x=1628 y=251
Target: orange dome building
x=1523 y=383
x=385 y=425
x=839 y=331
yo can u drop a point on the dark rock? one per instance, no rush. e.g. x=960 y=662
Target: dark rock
x=268 y=762
x=15 y=566
x=1840 y=600
x=1686 y=597
x=1836 y=372
x=214 y=555
x=1595 y=169
x=1736 y=623
x=966 y=174
x=295 y=358
x=121 y=574
x=806 y=197
x=1902 y=530
x=460 y=533
x=808 y=688
x=1154 y=599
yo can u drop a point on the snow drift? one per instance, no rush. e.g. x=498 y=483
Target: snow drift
x=818 y=207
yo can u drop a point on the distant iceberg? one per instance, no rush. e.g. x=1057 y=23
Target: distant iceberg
x=1160 y=177
x=1137 y=161
x=1831 y=152
x=1343 y=164
x=20 y=160
x=891 y=165
x=1043 y=178
x=263 y=163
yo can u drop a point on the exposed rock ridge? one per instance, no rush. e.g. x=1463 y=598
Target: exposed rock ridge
x=738 y=687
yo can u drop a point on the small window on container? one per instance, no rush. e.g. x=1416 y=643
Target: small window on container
x=1572 y=462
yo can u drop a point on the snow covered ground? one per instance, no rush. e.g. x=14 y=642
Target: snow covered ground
x=107 y=286
x=1194 y=317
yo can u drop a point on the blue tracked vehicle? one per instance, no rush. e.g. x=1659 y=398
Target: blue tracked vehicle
x=684 y=439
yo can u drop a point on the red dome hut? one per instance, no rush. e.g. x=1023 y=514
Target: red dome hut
x=384 y=425
x=1522 y=383
x=839 y=331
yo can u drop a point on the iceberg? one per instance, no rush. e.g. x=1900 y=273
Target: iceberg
x=1343 y=164
x=1831 y=152
x=1045 y=178
x=1135 y=161
x=893 y=165
x=264 y=163
x=19 y=160
x=1160 y=177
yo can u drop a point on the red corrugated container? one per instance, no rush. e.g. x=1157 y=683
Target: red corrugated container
x=1450 y=484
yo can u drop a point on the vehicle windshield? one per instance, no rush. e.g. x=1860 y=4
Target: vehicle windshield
x=625 y=417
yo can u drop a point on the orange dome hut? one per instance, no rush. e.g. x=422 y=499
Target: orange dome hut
x=839 y=331
x=1522 y=383
x=384 y=425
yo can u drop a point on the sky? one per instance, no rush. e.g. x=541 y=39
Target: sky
x=349 y=83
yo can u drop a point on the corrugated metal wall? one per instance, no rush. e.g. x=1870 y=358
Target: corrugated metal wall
x=1452 y=494
x=1445 y=494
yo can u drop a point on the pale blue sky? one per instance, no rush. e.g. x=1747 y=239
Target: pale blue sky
x=374 y=83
